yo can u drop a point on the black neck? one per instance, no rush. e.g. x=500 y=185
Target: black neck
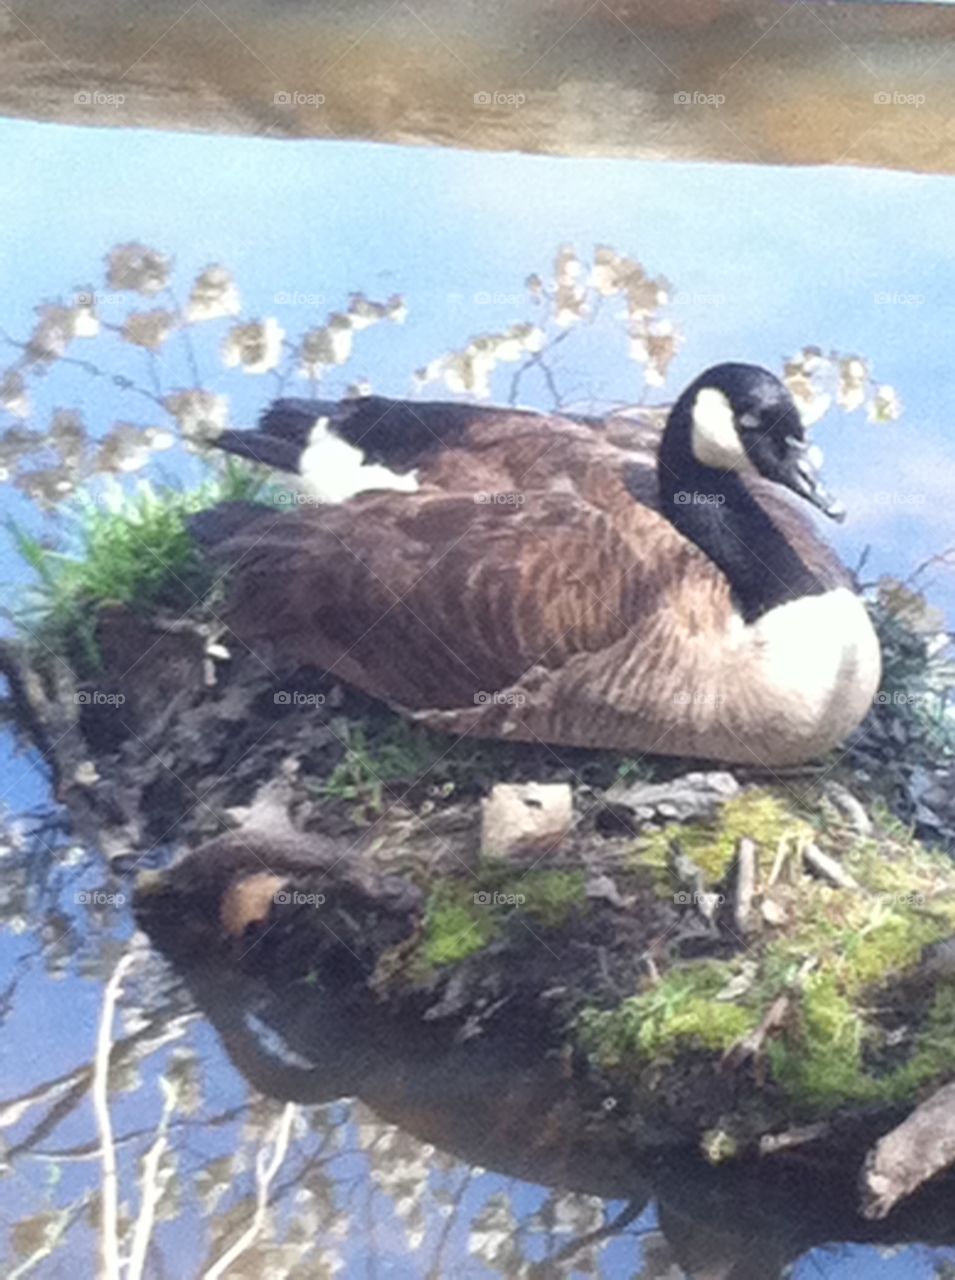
x=715 y=510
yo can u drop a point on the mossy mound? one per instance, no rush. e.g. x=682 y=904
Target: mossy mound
x=824 y=1001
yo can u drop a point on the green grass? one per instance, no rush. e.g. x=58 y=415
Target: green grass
x=127 y=547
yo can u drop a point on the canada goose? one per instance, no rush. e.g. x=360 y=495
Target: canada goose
x=562 y=579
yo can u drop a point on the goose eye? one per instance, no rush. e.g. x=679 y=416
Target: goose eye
x=749 y=421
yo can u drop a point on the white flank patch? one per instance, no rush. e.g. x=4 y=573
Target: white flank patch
x=716 y=441
x=332 y=469
x=820 y=655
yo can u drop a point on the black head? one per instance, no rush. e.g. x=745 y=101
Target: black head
x=739 y=417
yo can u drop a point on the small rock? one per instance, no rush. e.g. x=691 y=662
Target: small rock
x=604 y=888
x=525 y=819
x=693 y=797
x=849 y=807
x=772 y=912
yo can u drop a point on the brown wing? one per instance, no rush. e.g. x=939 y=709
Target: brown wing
x=427 y=600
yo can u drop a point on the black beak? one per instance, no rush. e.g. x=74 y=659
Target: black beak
x=801 y=474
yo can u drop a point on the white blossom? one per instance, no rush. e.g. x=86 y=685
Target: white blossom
x=148 y=329
x=201 y=415
x=255 y=346
x=138 y=269
x=213 y=294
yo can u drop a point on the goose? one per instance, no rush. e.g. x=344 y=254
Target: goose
x=558 y=578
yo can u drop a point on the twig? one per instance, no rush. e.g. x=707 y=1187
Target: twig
x=745 y=883
x=104 y=1043
x=264 y=1174
x=186 y=338
x=152 y=1187
x=53 y=1238
x=117 y=379
x=537 y=359
x=770 y=1143
x=829 y=868
x=946 y=558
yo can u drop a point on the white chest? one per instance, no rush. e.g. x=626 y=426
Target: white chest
x=817 y=661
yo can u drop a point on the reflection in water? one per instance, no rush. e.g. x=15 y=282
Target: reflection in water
x=341 y=1145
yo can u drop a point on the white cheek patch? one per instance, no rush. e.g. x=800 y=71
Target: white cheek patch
x=332 y=469
x=715 y=440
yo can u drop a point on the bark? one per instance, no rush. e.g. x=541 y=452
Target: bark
x=840 y=83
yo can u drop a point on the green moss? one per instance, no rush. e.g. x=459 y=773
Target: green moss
x=552 y=895
x=934 y=1052
x=819 y=1060
x=756 y=813
x=833 y=1046
x=462 y=917
x=453 y=929
x=680 y=1013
